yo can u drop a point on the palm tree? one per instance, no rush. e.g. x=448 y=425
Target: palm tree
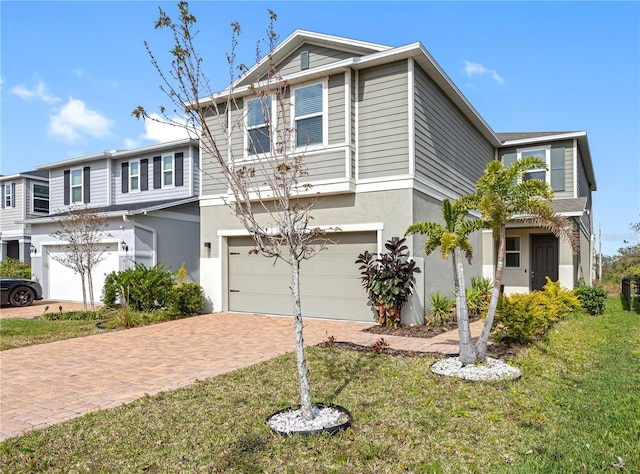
x=503 y=195
x=453 y=239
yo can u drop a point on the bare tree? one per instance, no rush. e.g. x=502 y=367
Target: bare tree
x=81 y=231
x=267 y=190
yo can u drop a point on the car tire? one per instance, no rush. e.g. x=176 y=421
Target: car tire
x=21 y=296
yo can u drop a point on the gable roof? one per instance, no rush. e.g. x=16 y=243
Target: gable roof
x=34 y=174
x=531 y=138
x=365 y=55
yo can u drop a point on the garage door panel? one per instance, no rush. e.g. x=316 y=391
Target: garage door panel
x=329 y=282
x=65 y=284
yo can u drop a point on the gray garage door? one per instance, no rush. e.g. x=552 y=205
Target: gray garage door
x=330 y=282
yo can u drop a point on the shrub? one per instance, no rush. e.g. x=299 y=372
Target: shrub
x=441 y=312
x=592 y=298
x=478 y=296
x=522 y=318
x=388 y=280
x=187 y=299
x=140 y=288
x=12 y=268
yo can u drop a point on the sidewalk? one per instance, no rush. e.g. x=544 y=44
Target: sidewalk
x=45 y=384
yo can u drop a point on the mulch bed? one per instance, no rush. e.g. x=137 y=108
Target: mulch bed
x=496 y=350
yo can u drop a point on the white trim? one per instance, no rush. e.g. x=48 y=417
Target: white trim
x=33 y=211
x=366 y=227
x=163 y=171
x=111 y=178
x=247 y=127
x=575 y=168
x=347 y=122
x=411 y=112
x=357 y=126
x=71 y=186
x=130 y=176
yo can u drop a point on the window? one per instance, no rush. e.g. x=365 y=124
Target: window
x=40 y=198
x=309 y=115
x=258 y=119
x=536 y=173
x=167 y=171
x=134 y=176
x=76 y=186
x=553 y=157
x=512 y=255
x=9 y=195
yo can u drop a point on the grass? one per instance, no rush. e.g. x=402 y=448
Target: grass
x=18 y=332
x=576 y=409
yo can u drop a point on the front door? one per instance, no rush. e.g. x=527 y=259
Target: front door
x=544 y=259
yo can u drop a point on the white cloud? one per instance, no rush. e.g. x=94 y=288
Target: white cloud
x=74 y=120
x=473 y=69
x=156 y=129
x=40 y=92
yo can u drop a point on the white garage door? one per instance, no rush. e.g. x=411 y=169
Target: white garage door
x=65 y=284
x=330 y=282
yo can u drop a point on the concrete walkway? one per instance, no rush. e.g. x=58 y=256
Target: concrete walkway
x=45 y=384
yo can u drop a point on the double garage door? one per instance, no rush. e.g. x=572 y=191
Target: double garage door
x=65 y=284
x=330 y=284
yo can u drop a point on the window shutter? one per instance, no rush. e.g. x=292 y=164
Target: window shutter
x=144 y=175
x=86 y=171
x=125 y=177
x=67 y=187
x=557 y=169
x=157 y=172
x=509 y=158
x=3 y=196
x=304 y=60
x=179 y=167
x=13 y=194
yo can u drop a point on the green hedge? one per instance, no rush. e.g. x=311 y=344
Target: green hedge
x=12 y=268
x=521 y=318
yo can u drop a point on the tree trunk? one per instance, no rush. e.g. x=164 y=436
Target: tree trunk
x=467 y=353
x=90 y=282
x=303 y=373
x=84 y=291
x=481 y=344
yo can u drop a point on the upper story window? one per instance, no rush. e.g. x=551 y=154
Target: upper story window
x=309 y=115
x=76 y=186
x=134 y=176
x=167 y=171
x=258 y=125
x=512 y=255
x=40 y=198
x=8 y=195
x=553 y=157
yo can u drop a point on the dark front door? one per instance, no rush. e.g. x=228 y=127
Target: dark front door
x=544 y=259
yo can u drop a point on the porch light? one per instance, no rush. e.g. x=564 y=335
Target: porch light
x=33 y=249
x=124 y=246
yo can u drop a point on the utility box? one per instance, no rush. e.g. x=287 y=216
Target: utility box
x=630 y=290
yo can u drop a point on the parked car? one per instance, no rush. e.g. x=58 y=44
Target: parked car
x=19 y=292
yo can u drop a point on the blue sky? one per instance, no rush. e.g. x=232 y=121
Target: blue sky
x=72 y=72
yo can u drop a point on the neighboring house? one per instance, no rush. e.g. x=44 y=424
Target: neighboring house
x=24 y=196
x=392 y=137
x=533 y=254
x=149 y=196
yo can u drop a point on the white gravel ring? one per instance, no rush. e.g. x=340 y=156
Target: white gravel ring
x=492 y=369
x=290 y=421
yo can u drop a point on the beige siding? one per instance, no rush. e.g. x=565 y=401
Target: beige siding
x=450 y=151
x=383 y=143
x=583 y=183
x=568 y=169
x=325 y=165
x=337 y=109
x=9 y=215
x=318 y=56
x=213 y=182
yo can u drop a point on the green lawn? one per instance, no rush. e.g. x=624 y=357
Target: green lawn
x=19 y=332
x=576 y=409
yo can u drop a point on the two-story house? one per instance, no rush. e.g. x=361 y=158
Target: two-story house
x=24 y=196
x=386 y=136
x=149 y=197
x=534 y=254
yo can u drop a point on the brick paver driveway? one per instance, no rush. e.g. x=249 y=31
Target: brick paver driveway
x=48 y=383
